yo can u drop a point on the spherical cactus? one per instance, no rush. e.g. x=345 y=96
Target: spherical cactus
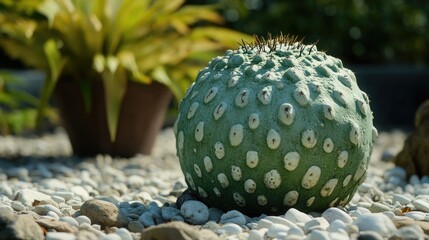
x=273 y=125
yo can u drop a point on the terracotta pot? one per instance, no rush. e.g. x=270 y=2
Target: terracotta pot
x=142 y=115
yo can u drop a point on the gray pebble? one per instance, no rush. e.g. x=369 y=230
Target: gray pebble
x=377 y=207
x=147 y=219
x=167 y=213
x=44 y=209
x=215 y=214
x=154 y=208
x=233 y=216
x=195 y=212
x=135 y=226
x=186 y=196
x=17 y=206
x=138 y=210
x=178 y=218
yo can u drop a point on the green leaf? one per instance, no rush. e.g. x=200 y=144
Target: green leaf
x=55 y=64
x=115 y=84
x=160 y=75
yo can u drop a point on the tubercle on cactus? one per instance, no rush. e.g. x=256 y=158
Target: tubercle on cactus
x=291 y=42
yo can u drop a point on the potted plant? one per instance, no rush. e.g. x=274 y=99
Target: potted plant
x=112 y=65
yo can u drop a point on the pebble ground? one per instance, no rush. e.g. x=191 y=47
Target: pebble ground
x=106 y=198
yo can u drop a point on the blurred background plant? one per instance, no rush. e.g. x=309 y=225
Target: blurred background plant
x=357 y=31
x=360 y=32
x=18 y=108
x=111 y=42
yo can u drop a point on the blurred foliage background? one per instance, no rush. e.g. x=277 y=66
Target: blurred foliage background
x=357 y=31
x=360 y=32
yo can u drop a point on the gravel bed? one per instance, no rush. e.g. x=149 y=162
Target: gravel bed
x=106 y=198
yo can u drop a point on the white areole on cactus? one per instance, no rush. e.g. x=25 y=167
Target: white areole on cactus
x=272 y=125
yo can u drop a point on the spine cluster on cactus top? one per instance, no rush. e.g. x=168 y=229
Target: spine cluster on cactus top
x=271 y=44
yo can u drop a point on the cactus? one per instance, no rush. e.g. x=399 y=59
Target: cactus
x=272 y=125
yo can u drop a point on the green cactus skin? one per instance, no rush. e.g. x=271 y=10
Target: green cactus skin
x=273 y=125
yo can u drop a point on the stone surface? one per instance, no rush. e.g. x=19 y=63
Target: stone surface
x=414 y=155
x=30 y=197
x=56 y=225
x=424 y=225
x=177 y=231
x=14 y=226
x=104 y=213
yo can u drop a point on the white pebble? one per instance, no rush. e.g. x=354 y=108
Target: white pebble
x=230 y=229
x=401 y=198
x=336 y=225
x=377 y=222
x=296 y=216
x=421 y=205
x=256 y=234
x=280 y=220
x=334 y=213
x=53 y=215
x=124 y=234
x=60 y=236
x=83 y=219
x=263 y=224
x=316 y=223
x=276 y=229
x=71 y=221
x=416 y=215
x=317 y=234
